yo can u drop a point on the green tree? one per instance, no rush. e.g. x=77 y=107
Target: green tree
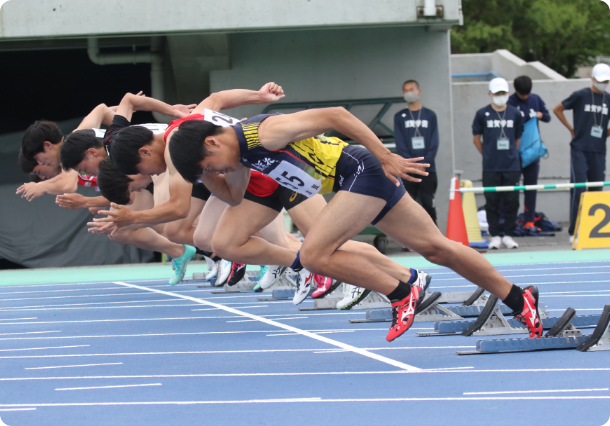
x=561 y=34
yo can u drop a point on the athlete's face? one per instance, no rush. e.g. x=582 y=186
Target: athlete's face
x=152 y=160
x=50 y=155
x=45 y=172
x=221 y=158
x=91 y=164
x=139 y=182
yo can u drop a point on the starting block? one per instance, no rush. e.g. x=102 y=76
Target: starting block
x=563 y=335
x=284 y=289
x=431 y=309
x=246 y=285
x=199 y=277
x=330 y=299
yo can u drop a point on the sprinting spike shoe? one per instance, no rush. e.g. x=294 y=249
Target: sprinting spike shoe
x=530 y=315
x=352 y=295
x=179 y=265
x=224 y=270
x=304 y=279
x=423 y=280
x=323 y=286
x=257 y=288
x=272 y=275
x=403 y=312
x=212 y=269
x=238 y=271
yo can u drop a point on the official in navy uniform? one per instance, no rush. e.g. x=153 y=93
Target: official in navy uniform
x=588 y=145
x=416 y=134
x=497 y=130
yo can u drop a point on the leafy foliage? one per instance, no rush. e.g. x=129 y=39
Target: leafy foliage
x=561 y=34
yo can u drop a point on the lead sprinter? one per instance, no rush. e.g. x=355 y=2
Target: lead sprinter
x=288 y=148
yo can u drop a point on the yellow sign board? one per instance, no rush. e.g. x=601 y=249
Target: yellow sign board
x=593 y=221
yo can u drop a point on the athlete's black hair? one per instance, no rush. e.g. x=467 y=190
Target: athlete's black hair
x=124 y=148
x=113 y=185
x=523 y=85
x=187 y=149
x=35 y=136
x=27 y=165
x=75 y=146
x=411 y=81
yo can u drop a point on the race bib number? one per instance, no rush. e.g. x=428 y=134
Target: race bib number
x=218 y=118
x=503 y=144
x=156 y=128
x=290 y=176
x=597 y=131
x=418 y=142
x=99 y=133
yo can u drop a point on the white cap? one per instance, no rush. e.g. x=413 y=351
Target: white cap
x=601 y=72
x=498 y=85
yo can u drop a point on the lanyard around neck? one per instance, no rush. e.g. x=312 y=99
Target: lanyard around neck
x=414 y=122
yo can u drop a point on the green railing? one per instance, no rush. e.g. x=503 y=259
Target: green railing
x=384 y=106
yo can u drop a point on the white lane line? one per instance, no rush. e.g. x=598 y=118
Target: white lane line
x=110 y=387
x=112 y=320
x=38 y=349
x=182 y=334
x=245 y=351
x=17 y=409
x=267 y=321
x=56 y=291
x=320 y=332
x=525 y=284
x=322 y=373
x=17 y=319
x=29 y=332
x=536 y=391
x=291 y=318
x=93 y=307
x=449 y=368
x=73 y=366
x=94 y=303
x=308 y=400
x=71 y=297
x=528 y=269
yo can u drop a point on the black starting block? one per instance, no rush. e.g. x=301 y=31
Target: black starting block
x=563 y=335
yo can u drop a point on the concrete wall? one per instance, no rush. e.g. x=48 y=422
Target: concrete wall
x=23 y=19
x=469 y=97
x=348 y=64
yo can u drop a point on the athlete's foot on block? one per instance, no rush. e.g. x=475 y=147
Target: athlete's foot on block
x=323 y=286
x=179 y=265
x=352 y=295
x=272 y=276
x=304 y=279
x=212 y=269
x=423 y=280
x=224 y=270
x=403 y=312
x=530 y=315
x=238 y=271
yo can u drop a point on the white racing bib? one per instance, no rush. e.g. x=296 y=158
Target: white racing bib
x=503 y=144
x=292 y=177
x=218 y=118
x=99 y=133
x=156 y=128
x=418 y=142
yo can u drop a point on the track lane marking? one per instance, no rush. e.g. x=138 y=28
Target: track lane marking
x=273 y=323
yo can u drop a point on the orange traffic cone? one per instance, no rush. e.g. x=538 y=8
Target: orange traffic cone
x=456 y=225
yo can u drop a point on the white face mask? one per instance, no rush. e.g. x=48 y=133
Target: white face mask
x=600 y=86
x=411 y=97
x=500 y=100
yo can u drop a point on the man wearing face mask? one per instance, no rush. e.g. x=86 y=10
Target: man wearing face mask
x=497 y=130
x=416 y=133
x=588 y=145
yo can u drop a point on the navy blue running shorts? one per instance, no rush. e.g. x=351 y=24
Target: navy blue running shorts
x=360 y=172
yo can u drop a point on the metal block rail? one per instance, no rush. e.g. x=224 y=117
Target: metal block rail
x=199 y=277
x=330 y=299
x=562 y=336
x=284 y=289
x=431 y=309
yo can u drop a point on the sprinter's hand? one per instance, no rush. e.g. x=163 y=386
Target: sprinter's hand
x=121 y=217
x=271 y=92
x=396 y=166
x=71 y=201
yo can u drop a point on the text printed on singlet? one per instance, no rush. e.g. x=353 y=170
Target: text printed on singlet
x=290 y=176
x=218 y=118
